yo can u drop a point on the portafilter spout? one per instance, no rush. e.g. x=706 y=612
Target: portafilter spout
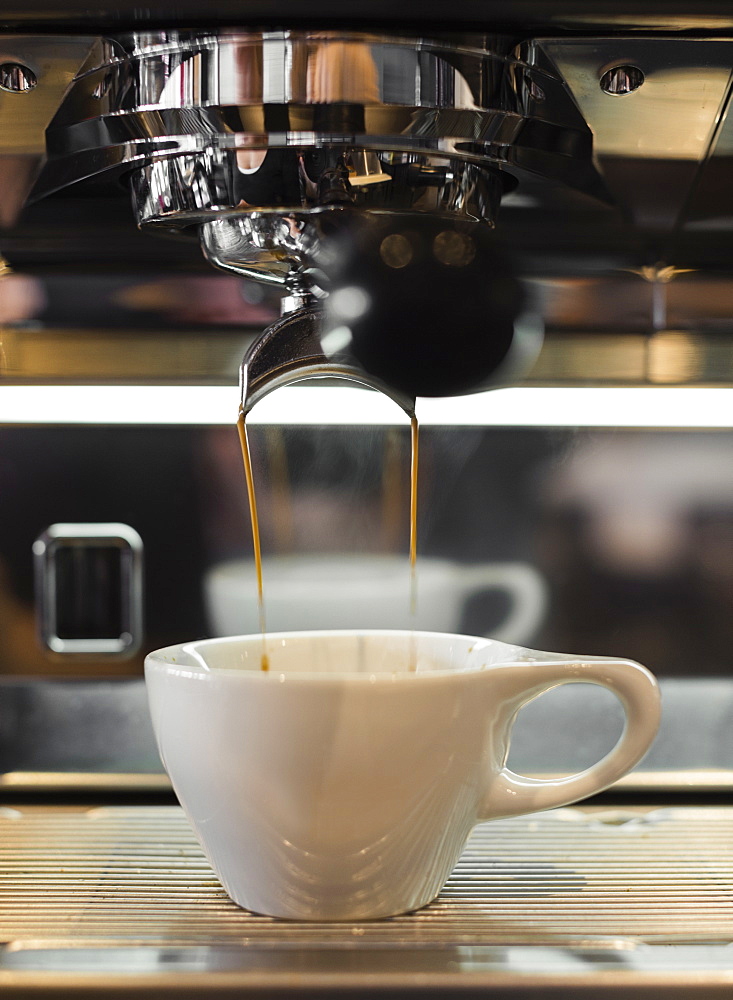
x=290 y=351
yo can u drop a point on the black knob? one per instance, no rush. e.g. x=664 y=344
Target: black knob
x=427 y=305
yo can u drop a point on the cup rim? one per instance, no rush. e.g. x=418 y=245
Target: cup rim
x=165 y=659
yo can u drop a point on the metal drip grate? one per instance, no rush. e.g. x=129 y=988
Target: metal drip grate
x=76 y=881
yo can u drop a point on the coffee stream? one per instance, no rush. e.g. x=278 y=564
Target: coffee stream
x=413 y=513
x=247 y=461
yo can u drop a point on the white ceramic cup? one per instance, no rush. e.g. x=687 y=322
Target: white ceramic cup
x=345 y=591
x=341 y=784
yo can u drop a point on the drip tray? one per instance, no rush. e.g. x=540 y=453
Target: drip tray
x=120 y=901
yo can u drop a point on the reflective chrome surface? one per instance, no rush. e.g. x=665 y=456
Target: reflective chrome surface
x=290 y=351
x=653 y=143
x=89 y=589
x=26 y=110
x=272 y=236
x=237 y=122
x=140 y=96
x=631 y=901
x=534 y=107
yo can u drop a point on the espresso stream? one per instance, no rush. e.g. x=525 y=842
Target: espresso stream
x=247 y=462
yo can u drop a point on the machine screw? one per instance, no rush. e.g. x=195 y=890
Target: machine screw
x=16 y=78
x=620 y=80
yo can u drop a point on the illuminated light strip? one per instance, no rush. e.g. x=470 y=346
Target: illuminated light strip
x=319 y=405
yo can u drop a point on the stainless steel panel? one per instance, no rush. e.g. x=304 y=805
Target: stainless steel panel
x=586 y=358
x=578 y=898
x=25 y=113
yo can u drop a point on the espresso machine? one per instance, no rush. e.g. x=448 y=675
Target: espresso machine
x=198 y=208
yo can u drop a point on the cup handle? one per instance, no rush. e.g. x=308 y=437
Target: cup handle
x=527 y=592
x=511 y=794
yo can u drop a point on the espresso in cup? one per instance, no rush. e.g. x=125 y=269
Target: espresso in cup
x=343 y=782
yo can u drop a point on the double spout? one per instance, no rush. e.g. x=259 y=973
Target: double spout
x=290 y=351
